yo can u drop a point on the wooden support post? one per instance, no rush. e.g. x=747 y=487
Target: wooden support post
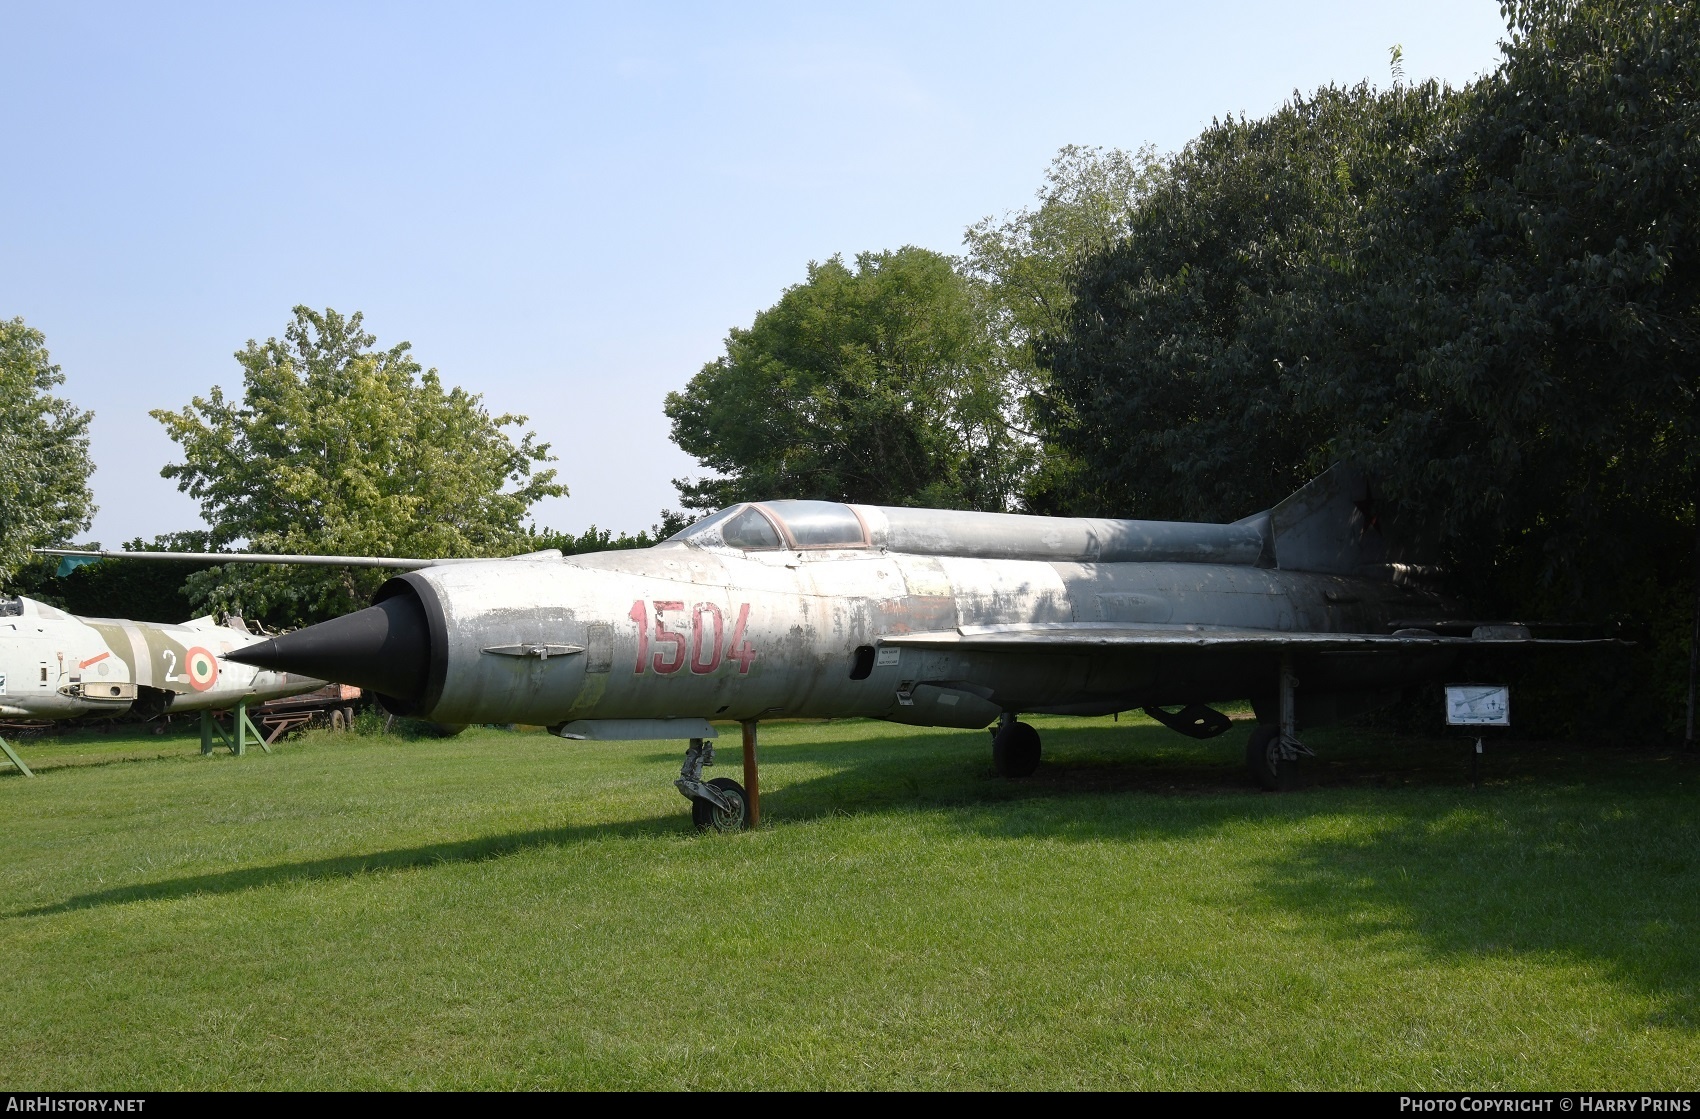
x=752 y=775
x=17 y=761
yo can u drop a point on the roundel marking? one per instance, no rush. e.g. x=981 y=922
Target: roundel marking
x=201 y=667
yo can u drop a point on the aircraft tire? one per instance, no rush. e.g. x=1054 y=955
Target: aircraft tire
x=709 y=818
x=1263 y=757
x=1015 y=751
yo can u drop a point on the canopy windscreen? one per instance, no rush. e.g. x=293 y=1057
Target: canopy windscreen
x=751 y=531
x=819 y=524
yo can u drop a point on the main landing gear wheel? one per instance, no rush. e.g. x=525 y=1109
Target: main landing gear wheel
x=1015 y=750
x=707 y=815
x=1263 y=757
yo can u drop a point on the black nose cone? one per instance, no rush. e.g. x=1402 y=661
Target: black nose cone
x=384 y=648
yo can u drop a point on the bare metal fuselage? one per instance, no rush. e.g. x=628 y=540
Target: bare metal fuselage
x=680 y=631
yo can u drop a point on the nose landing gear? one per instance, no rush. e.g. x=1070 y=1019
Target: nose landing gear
x=720 y=804
x=735 y=814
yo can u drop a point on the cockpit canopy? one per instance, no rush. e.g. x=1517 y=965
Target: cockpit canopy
x=11 y=606
x=768 y=526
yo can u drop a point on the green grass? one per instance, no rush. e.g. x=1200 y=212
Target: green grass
x=504 y=909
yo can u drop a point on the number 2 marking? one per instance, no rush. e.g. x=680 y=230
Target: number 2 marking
x=171 y=676
x=702 y=650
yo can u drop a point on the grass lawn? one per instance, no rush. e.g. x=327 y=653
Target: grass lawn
x=504 y=909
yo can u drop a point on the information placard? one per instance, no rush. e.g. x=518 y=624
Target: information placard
x=1478 y=705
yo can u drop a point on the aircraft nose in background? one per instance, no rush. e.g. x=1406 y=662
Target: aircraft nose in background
x=384 y=648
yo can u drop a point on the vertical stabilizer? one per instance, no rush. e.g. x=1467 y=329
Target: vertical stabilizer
x=1330 y=525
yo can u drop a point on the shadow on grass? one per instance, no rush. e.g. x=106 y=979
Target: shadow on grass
x=1606 y=877
x=350 y=866
x=953 y=768
x=1587 y=854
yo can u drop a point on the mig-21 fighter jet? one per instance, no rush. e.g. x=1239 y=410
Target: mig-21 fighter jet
x=821 y=609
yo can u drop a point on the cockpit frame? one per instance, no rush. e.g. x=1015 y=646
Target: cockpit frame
x=786 y=538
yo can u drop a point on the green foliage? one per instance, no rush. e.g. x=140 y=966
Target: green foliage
x=1027 y=260
x=1486 y=297
x=910 y=378
x=1514 y=351
x=44 y=452
x=341 y=449
x=1173 y=385
x=139 y=590
x=1023 y=266
x=595 y=539
x=873 y=383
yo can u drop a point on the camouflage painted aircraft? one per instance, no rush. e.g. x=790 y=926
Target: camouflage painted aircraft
x=55 y=666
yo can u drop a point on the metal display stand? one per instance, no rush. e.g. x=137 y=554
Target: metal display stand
x=242 y=732
x=13 y=756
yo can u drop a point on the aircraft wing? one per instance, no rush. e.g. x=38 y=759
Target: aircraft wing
x=257 y=557
x=1087 y=636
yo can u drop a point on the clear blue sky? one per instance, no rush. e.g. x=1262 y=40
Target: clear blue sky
x=566 y=207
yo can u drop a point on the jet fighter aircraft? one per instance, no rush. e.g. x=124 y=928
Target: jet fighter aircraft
x=817 y=609
x=55 y=665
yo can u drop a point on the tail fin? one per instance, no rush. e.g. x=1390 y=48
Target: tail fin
x=1334 y=524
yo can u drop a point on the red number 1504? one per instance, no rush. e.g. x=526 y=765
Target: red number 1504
x=700 y=648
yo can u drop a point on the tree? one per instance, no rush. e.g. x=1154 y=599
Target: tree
x=1024 y=266
x=1490 y=298
x=44 y=449
x=142 y=591
x=338 y=448
x=1027 y=260
x=872 y=383
x=1173 y=384
x=595 y=539
x=1516 y=352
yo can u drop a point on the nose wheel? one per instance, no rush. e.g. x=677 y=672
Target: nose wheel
x=731 y=815
x=719 y=805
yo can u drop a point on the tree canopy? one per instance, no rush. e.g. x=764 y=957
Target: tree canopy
x=1486 y=297
x=869 y=382
x=339 y=448
x=909 y=377
x=44 y=449
x=1172 y=381
x=1023 y=266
